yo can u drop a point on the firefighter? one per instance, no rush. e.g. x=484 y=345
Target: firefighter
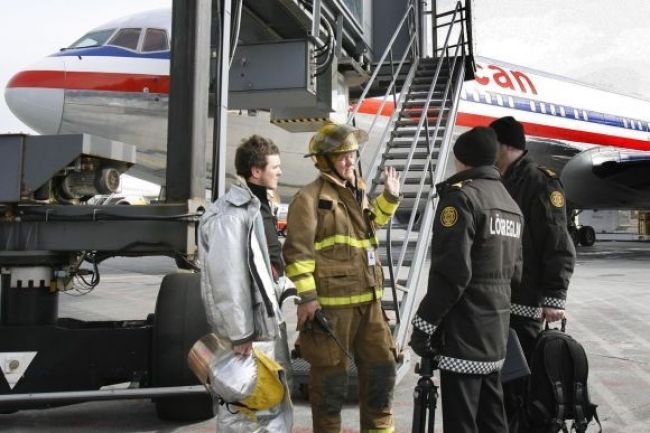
x=330 y=253
x=240 y=259
x=548 y=251
x=462 y=322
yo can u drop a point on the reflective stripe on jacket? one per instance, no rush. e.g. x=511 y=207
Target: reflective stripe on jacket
x=331 y=243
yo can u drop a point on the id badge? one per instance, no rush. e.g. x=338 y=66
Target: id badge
x=370 y=253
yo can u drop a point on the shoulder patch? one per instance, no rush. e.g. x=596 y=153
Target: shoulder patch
x=557 y=199
x=448 y=216
x=461 y=184
x=550 y=173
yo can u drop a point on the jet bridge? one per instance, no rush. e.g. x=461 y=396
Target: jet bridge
x=53 y=240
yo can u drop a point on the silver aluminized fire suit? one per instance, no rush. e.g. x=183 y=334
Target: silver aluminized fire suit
x=241 y=299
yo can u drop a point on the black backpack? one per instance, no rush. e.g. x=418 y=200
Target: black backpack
x=557 y=388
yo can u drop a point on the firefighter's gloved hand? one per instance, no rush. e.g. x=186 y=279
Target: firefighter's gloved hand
x=421 y=343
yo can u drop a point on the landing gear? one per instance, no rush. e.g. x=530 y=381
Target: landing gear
x=587 y=236
x=581 y=235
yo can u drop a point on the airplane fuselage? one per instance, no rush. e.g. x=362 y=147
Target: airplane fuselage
x=122 y=94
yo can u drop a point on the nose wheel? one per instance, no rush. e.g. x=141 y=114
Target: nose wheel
x=587 y=236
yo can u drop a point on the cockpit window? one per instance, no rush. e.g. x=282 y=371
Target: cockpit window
x=126 y=38
x=155 y=40
x=93 y=39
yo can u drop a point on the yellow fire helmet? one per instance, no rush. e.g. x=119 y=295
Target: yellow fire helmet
x=333 y=138
x=269 y=390
x=250 y=384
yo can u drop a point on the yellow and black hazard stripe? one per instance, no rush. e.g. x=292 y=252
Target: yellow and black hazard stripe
x=301 y=120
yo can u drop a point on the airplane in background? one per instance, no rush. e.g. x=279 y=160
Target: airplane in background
x=114 y=82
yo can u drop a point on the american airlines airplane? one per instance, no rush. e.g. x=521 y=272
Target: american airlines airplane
x=114 y=82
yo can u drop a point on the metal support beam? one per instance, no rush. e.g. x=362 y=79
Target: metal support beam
x=105 y=394
x=188 y=100
x=220 y=85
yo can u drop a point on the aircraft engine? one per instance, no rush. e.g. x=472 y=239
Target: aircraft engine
x=607 y=178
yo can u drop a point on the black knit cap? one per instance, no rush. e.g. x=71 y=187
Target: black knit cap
x=509 y=132
x=476 y=147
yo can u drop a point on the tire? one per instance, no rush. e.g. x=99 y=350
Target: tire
x=179 y=321
x=587 y=236
x=573 y=232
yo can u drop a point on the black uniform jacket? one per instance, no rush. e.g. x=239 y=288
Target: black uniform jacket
x=475 y=257
x=549 y=253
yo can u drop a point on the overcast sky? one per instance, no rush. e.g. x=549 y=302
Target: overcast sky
x=601 y=42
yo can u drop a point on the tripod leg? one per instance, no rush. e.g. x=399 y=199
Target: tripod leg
x=432 y=400
x=420 y=396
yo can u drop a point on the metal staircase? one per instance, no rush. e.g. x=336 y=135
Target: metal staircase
x=424 y=92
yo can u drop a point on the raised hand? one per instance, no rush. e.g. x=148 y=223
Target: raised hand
x=391 y=181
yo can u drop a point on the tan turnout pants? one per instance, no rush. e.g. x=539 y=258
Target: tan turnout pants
x=363 y=330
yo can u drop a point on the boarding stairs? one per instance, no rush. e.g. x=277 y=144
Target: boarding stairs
x=425 y=92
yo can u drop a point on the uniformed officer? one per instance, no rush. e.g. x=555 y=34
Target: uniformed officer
x=548 y=251
x=462 y=321
x=331 y=257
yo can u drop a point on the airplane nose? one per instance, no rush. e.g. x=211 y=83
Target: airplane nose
x=35 y=95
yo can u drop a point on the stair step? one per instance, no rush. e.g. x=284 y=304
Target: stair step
x=426 y=86
x=419 y=103
x=411 y=111
x=412 y=194
x=417 y=155
x=401 y=166
x=410 y=121
x=423 y=93
x=410 y=132
x=410 y=180
x=420 y=145
x=422 y=140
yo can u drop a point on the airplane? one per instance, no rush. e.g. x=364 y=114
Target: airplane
x=114 y=82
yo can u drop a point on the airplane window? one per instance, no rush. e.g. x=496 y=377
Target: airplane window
x=542 y=107
x=552 y=107
x=511 y=102
x=93 y=39
x=608 y=119
x=476 y=96
x=533 y=107
x=155 y=40
x=499 y=100
x=576 y=114
x=488 y=98
x=522 y=104
x=584 y=115
x=562 y=112
x=127 y=38
x=624 y=123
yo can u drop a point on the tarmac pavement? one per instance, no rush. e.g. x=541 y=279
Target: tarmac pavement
x=608 y=309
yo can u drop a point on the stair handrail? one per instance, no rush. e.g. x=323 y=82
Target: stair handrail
x=416 y=137
x=456 y=77
x=388 y=50
x=389 y=90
